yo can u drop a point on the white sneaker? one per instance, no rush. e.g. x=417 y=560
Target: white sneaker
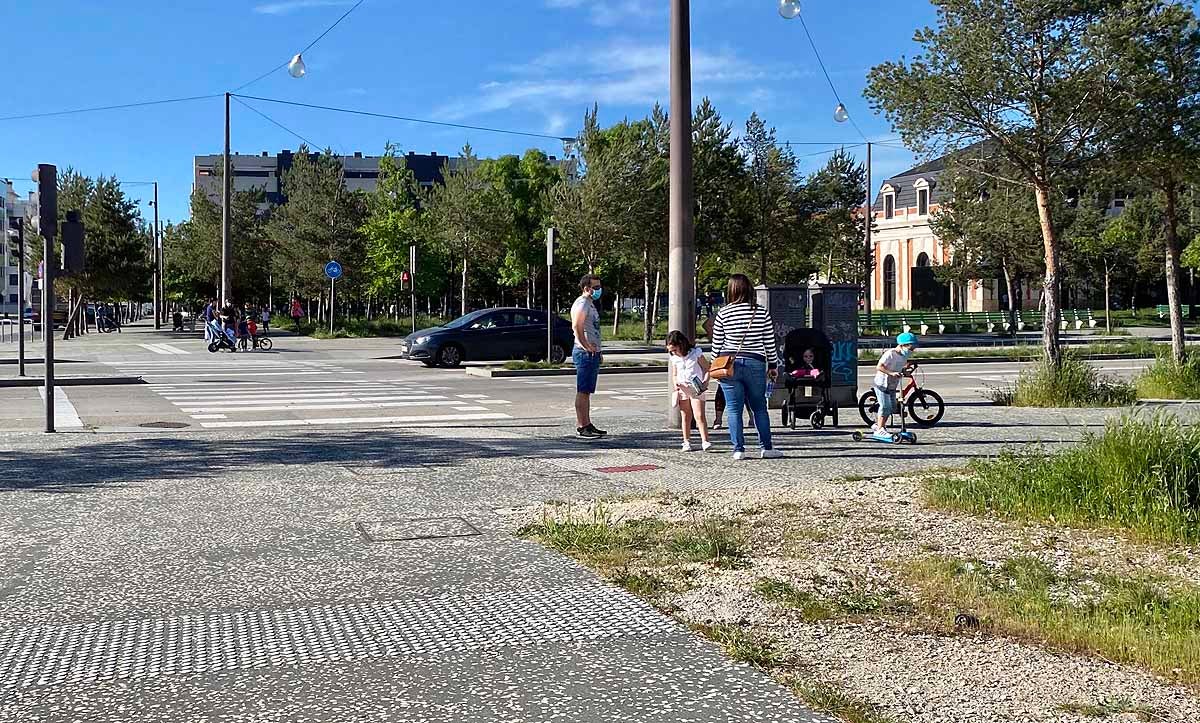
x=738 y=456
x=771 y=454
x=705 y=446
x=685 y=447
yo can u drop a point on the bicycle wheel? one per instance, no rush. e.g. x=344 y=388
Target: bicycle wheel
x=926 y=407
x=868 y=406
x=265 y=343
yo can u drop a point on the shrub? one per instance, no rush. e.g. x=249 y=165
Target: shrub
x=1141 y=474
x=1073 y=383
x=1164 y=379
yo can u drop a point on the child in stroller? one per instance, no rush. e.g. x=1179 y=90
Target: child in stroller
x=807 y=354
x=221 y=338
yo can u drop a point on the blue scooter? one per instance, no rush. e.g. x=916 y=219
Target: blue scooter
x=901 y=437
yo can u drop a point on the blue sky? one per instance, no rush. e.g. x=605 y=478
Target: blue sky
x=532 y=65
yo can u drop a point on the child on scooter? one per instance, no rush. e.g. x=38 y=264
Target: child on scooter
x=887 y=378
x=689 y=374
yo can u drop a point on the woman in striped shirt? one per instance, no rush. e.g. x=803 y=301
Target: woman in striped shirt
x=741 y=323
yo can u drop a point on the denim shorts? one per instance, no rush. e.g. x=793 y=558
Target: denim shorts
x=887 y=400
x=587 y=370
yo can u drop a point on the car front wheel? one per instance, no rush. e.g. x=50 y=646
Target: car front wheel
x=558 y=354
x=449 y=356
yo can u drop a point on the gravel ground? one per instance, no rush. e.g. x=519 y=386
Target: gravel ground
x=838 y=535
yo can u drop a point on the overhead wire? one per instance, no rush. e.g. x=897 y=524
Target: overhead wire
x=271 y=120
x=406 y=119
x=829 y=80
x=121 y=106
x=303 y=51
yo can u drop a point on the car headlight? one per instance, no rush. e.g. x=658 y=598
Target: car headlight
x=421 y=340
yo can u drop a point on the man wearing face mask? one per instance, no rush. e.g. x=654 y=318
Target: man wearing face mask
x=585 y=321
x=887 y=377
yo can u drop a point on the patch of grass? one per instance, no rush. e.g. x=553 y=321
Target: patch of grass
x=712 y=540
x=1073 y=383
x=1110 y=707
x=1134 y=346
x=598 y=539
x=1142 y=474
x=1144 y=621
x=741 y=644
x=827 y=698
x=1164 y=379
x=811 y=607
x=362 y=328
x=856 y=600
x=640 y=583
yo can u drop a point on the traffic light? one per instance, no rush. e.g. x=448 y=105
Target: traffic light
x=46 y=178
x=72 y=241
x=15 y=230
x=405 y=279
x=552 y=237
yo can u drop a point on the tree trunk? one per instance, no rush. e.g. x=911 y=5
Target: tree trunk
x=464 y=286
x=646 y=310
x=1174 y=300
x=1012 y=300
x=762 y=264
x=616 y=314
x=1050 y=286
x=1107 y=302
x=528 y=287
x=829 y=269
x=657 y=289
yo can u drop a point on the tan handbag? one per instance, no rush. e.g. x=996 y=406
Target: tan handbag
x=722 y=364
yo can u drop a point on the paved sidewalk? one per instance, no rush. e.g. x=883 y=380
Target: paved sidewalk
x=261 y=577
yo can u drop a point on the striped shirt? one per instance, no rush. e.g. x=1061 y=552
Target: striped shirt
x=732 y=323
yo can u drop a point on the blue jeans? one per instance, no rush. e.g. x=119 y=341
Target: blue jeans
x=747 y=386
x=886 y=399
x=587 y=370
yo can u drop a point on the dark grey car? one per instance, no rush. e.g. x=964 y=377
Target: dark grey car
x=489 y=335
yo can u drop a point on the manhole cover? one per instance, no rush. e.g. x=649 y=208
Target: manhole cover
x=628 y=468
x=424 y=528
x=164 y=425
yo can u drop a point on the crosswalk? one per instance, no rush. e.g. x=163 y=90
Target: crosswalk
x=625 y=390
x=167 y=349
x=250 y=392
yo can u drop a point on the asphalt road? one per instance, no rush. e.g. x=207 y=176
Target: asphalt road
x=351 y=383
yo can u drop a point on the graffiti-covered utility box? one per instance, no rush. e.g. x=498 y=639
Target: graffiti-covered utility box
x=788 y=306
x=835 y=312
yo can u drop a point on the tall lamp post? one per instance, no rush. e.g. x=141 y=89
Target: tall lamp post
x=682 y=234
x=156 y=275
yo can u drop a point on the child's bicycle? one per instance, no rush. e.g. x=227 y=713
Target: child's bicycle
x=925 y=406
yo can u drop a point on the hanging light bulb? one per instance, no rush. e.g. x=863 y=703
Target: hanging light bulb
x=839 y=114
x=789 y=9
x=296 y=67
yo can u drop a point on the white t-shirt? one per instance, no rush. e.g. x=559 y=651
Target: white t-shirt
x=688 y=366
x=893 y=361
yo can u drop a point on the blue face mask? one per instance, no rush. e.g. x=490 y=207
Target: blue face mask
x=906 y=352
x=596 y=293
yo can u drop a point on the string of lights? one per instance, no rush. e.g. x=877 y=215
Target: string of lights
x=829 y=80
x=284 y=64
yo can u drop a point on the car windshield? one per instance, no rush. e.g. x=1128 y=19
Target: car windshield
x=465 y=320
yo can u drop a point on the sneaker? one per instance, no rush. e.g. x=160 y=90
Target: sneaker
x=587 y=432
x=771 y=454
x=738 y=456
x=685 y=447
x=597 y=432
x=705 y=446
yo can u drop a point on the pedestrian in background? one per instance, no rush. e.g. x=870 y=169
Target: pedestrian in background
x=744 y=330
x=297 y=312
x=585 y=322
x=209 y=313
x=265 y=317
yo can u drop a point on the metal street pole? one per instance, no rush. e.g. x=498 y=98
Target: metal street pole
x=21 y=297
x=682 y=271
x=551 y=238
x=331 y=306
x=412 y=283
x=868 y=254
x=48 y=178
x=226 y=242
x=156 y=278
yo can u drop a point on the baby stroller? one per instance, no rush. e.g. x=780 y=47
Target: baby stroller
x=221 y=339
x=808 y=394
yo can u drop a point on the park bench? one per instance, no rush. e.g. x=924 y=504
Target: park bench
x=1077 y=318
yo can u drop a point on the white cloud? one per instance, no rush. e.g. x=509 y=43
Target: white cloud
x=621 y=73
x=283 y=7
x=556 y=124
x=607 y=13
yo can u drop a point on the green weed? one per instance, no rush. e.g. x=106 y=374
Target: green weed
x=741 y=644
x=828 y=698
x=1073 y=383
x=1164 y=379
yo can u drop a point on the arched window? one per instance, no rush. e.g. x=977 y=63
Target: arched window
x=889 y=282
x=923 y=259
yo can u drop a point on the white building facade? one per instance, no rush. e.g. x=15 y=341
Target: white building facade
x=12 y=207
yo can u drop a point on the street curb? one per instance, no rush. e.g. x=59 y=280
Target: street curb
x=1163 y=402
x=1001 y=359
x=490 y=373
x=71 y=381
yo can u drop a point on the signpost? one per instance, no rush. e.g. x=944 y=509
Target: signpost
x=46 y=178
x=412 y=283
x=334 y=271
x=551 y=247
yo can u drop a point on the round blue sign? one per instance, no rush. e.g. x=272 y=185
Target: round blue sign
x=333 y=270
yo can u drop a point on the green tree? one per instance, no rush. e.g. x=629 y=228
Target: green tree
x=720 y=186
x=836 y=194
x=775 y=204
x=469 y=216
x=525 y=185
x=1158 y=48
x=392 y=225
x=1033 y=78
x=1103 y=246
x=319 y=222
x=192 y=249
